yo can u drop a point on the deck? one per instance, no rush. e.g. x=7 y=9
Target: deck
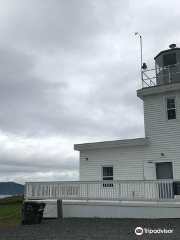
x=108 y=199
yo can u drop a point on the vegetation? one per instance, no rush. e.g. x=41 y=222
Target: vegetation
x=10 y=206
x=12 y=200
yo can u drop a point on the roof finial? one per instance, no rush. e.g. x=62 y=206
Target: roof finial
x=172 y=46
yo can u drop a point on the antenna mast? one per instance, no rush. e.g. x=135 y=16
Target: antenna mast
x=140 y=38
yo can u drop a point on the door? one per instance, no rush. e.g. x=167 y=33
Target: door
x=149 y=171
x=165 y=171
x=150 y=188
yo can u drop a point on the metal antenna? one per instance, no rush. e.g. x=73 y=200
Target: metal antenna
x=136 y=33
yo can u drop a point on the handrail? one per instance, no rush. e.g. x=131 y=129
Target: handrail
x=102 y=181
x=116 y=190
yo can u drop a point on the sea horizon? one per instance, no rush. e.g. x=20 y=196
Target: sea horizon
x=4 y=196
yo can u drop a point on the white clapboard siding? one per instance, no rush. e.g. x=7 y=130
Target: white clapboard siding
x=128 y=162
x=164 y=135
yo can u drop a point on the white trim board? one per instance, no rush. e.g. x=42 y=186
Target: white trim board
x=112 y=144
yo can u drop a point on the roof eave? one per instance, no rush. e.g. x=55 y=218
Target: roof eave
x=112 y=144
x=158 y=89
x=166 y=51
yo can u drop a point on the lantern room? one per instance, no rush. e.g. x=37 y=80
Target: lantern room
x=168 y=66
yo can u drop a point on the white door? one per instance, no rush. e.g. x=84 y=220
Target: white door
x=150 y=188
x=149 y=171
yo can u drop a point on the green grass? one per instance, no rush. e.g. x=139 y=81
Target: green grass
x=12 y=200
x=10 y=206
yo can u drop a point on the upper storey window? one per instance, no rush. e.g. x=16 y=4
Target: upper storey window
x=171 y=108
x=169 y=59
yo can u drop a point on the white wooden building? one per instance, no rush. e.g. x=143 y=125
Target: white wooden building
x=157 y=156
x=133 y=177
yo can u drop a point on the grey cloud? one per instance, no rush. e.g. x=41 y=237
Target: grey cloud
x=70 y=24
x=68 y=165
x=70 y=69
x=51 y=163
x=23 y=96
x=27 y=102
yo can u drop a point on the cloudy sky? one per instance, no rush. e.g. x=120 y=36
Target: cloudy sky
x=69 y=71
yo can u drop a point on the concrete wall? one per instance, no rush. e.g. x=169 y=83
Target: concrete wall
x=91 y=209
x=120 y=210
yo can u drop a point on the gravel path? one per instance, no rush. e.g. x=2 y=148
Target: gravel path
x=75 y=228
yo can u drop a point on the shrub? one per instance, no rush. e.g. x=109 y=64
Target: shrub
x=12 y=199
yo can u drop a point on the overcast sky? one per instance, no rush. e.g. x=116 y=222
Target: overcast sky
x=69 y=71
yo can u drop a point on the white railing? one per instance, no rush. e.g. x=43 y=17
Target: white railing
x=148 y=78
x=156 y=191
x=160 y=75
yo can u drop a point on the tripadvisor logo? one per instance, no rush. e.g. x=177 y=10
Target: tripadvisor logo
x=140 y=230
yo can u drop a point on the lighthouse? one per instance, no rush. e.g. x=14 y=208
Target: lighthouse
x=155 y=156
x=161 y=100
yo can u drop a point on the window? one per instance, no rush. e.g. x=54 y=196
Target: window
x=169 y=59
x=164 y=170
x=171 y=108
x=107 y=174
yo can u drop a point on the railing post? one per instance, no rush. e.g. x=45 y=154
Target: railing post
x=87 y=184
x=119 y=192
x=169 y=74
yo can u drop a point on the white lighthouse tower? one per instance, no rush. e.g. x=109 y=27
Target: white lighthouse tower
x=157 y=155
x=161 y=97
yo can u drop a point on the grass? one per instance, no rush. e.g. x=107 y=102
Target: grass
x=10 y=206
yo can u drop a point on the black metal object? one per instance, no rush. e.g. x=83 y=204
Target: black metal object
x=32 y=212
x=176 y=187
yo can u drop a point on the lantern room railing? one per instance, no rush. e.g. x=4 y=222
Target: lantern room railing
x=160 y=75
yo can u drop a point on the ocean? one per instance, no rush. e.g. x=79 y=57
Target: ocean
x=3 y=196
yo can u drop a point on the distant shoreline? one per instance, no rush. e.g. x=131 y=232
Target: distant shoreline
x=4 y=196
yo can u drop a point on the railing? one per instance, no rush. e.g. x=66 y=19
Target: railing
x=155 y=191
x=148 y=78
x=160 y=75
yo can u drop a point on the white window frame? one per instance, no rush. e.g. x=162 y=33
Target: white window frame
x=166 y=99
x=102 y=177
